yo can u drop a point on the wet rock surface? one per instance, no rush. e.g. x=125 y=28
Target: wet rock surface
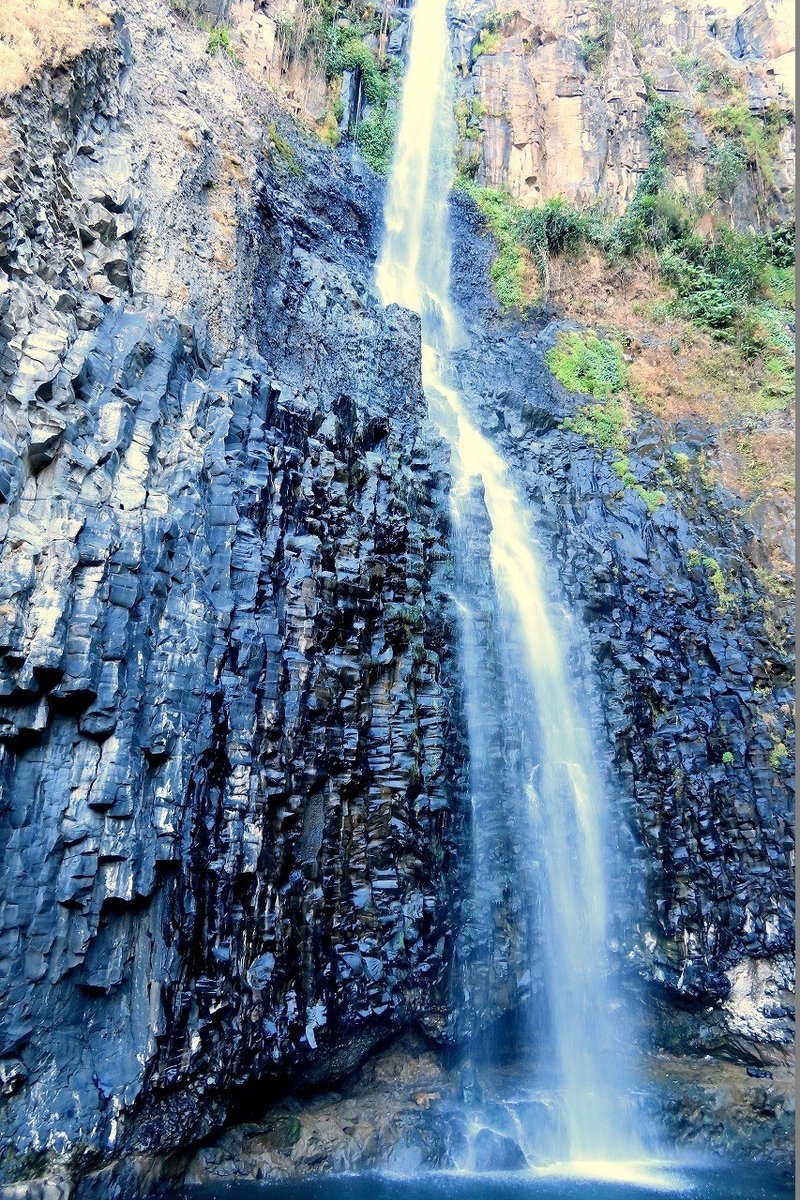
x=404 y=1111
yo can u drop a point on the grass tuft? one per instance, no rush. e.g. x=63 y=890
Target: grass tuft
x=35 y=34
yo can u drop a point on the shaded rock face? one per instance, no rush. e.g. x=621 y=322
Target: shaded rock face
x=230 y=817
x=403 y=1111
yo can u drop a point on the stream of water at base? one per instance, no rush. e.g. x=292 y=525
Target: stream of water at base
x=710 y=1183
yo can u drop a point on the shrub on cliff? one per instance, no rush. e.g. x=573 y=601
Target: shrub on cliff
x=355 y=55
x=586 y=363
x=375 y=137
x=733 y=284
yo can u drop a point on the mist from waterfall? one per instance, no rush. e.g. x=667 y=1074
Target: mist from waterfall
x=551 y=773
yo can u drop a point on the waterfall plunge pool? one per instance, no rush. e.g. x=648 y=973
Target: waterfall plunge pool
x=740 y=1182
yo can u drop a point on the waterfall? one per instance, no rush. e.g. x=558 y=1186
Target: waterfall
x=552 y=774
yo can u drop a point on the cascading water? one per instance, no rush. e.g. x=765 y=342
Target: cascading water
x=551 y=769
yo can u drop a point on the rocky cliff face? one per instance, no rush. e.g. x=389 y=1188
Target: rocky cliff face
x=234 y=809
x=554 y=96
x=230 y=814
x=693 y=699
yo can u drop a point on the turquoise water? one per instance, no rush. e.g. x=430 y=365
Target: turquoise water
x=741 y=1183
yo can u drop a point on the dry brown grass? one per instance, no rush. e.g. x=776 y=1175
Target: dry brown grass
x=45 y=33
x=680 y=373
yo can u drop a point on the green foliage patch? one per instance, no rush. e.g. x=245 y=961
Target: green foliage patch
x=502 y=216
x=284 y=151
x=355 y=55
x=739 y=287
x=219 y=41
x=376 y=133
x=376 y=137
x=756 y=136
x=490 y=35
x=597 y=41
x=585 y=363
x=715 y=576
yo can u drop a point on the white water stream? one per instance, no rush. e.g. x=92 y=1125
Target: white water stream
x=553 y=771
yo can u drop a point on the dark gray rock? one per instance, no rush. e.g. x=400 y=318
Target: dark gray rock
x=496 y=1152
x=233 y=776
x=232 y=832
x=686 y=688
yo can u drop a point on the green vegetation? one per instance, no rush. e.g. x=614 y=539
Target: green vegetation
x=552 y=228
x=756 y=137
x=329 y=130
x=583 y=362
x=219 y=40
x=728 y=758
x=501 y=213
x=653 y=498
x=777 y=602
x=660 y=116
x=737 y=286
x=341 y=34
x=320 y=28
x=355 y=55
x=376 y=137
x=468 y=115
x=682 y=462
x=603 y=425
x=376 y=133
x=490 y=35
x=703 y=77
x=778 y=753
x=715 y=576
x=741 y=139
x=488 y=43
x=726 y=162
x=596 y=43
x=729 y=284
x=279 y=144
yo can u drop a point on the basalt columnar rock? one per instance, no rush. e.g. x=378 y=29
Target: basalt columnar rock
x=687 y=681
x=230 y=813
x=234 y=801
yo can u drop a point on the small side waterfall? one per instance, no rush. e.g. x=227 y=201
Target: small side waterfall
x=551 y=772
